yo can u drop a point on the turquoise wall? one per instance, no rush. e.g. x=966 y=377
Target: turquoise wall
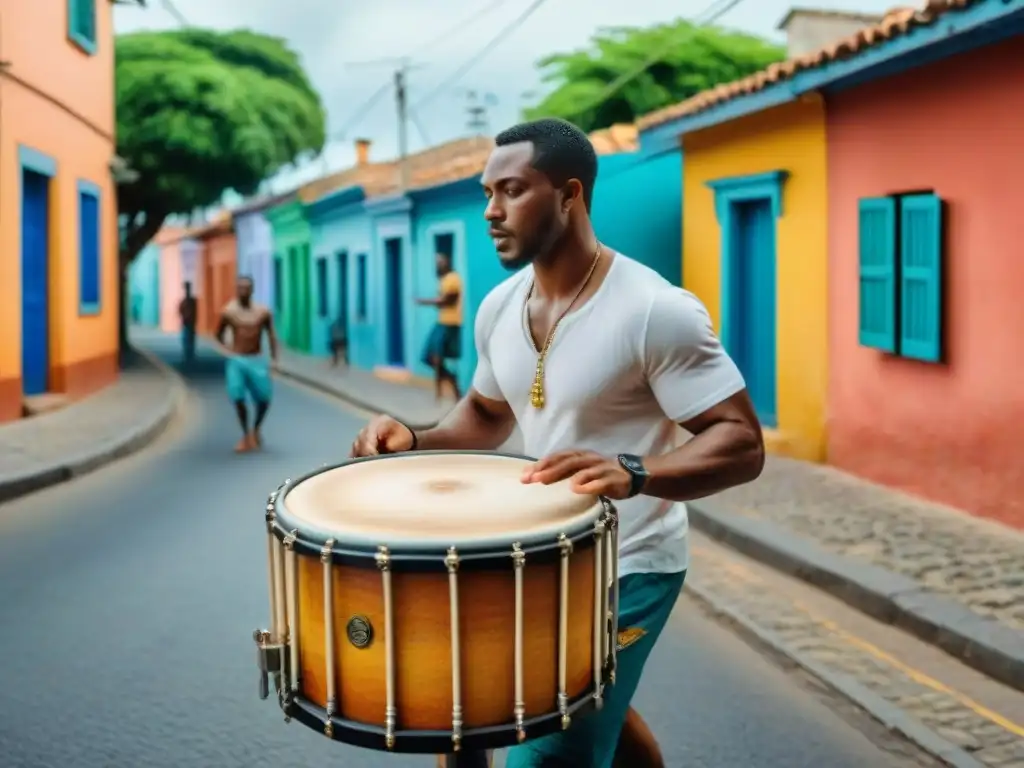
x=144 y=287
x=637 y=209
x=455 y=209
x=338 y=226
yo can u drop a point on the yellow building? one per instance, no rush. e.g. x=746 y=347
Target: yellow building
x=58 y=214
x=754 y=246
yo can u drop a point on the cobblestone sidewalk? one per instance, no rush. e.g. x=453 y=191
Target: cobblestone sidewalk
x=44 y=450
x=953 y=562
x=942 y=720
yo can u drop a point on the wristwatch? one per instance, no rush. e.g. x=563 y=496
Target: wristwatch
x=638 y=475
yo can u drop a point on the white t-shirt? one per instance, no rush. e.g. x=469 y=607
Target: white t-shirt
x=624 y=369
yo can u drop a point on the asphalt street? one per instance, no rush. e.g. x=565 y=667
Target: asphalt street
x=129 y=598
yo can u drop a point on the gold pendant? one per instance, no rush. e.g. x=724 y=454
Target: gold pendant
x=537 y=390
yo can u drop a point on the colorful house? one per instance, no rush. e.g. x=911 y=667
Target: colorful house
x=754 y=241
x=839 y=180
x=255 y=242
x=172 y=277
x=144 y=287
x=291 y=272
x=342 y=238
x=58 y=219
x=925 y=300
x=219 y=269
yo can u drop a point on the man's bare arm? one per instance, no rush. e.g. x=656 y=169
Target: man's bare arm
x=271 y=336
x=476 y=423
x=727 y=449
x=222 y=328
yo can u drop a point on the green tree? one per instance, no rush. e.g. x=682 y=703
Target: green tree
x=627 y=72
x=200 y=112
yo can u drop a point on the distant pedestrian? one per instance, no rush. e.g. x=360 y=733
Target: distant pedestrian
x=248 y=371
x=445 y=341
x=338 y=340
x=187 y=313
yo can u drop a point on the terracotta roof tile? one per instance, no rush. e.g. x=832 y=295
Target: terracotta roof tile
x=621 y=137
x=896 y=23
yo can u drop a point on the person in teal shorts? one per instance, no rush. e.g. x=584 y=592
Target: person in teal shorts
x=248 y=371
x=616 y=380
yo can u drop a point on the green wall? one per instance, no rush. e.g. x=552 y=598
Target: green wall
x=292 y=248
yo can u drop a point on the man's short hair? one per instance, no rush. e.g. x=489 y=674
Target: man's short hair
x=561 y=151
x=246 y=278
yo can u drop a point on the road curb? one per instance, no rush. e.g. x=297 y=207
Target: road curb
x=117 y=448
x=982 y=643
x=364 y=405
x=884 y=712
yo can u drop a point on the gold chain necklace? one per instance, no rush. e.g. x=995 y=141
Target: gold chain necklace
x=537 y=390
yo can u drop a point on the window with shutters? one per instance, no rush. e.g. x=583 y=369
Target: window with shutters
x=900 y=273
x=82 y=24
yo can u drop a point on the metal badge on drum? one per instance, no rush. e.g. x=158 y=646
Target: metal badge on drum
x=360 y=631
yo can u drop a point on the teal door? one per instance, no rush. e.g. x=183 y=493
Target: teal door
x=35 y=274
x=752 y=303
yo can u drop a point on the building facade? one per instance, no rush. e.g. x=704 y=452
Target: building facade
x=885 y=165
x=291 y=273
x=255 y=243
x=755 y=233
x=144 y=288
x=925 y=309
x=58 y=219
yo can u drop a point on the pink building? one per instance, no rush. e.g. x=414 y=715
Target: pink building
x=926 y=294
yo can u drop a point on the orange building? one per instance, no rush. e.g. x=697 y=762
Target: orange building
x=218 y=260
x=58 y=216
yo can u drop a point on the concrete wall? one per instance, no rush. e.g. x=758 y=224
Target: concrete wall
x=789 y=138
x=948 y=431
x=144 y=287
x=255 y=243
x=58 y=108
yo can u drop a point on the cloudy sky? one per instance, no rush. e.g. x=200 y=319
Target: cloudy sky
x=340 y=41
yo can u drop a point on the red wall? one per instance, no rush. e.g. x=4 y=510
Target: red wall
x=953 y=432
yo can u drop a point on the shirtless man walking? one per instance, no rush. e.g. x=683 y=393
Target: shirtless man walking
x=248 y=370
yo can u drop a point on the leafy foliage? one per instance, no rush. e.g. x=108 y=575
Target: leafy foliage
x=199 y=112
x=671 y=62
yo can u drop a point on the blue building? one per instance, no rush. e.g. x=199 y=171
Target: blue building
x=144 y=288
x=375 y=252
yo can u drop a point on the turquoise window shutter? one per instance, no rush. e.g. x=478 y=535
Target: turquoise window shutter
x=921 y=277
x=877 y=261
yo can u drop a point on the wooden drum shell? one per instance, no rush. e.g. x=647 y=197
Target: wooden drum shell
x=535 y=642
x=422 y=633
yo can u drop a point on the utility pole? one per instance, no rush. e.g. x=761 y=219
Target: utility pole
x=402 y=104
x=402 y=68
x=477 y=122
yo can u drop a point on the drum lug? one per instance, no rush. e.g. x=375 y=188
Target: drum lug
x=269 y=656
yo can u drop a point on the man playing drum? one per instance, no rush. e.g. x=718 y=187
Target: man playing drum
x=598 y=360
x=248 y=371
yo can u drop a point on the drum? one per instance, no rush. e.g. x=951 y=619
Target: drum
x=431 y=602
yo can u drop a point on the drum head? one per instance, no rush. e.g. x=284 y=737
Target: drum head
x=411 y=501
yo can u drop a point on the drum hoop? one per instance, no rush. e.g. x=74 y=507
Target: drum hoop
x=355 y=544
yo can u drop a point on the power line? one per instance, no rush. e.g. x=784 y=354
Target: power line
x=370 y=103
x=479 y=55
x=716 y=11
x=172 y=9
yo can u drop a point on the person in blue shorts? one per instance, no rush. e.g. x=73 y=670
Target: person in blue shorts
x=248 y=371
x=616 y=380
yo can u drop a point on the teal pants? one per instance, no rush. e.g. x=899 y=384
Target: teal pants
x=645 y=602
x=249 y=375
